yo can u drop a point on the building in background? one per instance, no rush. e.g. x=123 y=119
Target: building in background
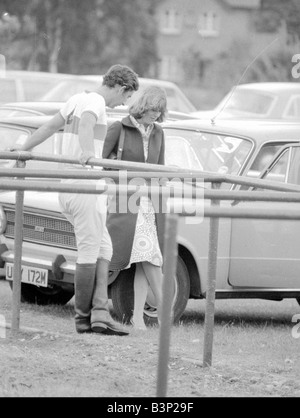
x=195 y=36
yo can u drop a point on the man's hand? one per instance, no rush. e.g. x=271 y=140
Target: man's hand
x=85 y=157
x=15 y=147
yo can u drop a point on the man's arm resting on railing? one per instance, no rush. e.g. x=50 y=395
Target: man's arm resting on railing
x=41 y=134
x=86 y=136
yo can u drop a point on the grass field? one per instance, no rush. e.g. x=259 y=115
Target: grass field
x=254 y=354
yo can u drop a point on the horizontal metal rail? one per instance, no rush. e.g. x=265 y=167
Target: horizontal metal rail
x=144 y=170
x=95 y=162
x=278 y=192
x=145 y=190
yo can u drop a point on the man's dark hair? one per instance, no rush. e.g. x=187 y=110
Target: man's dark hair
x=123 y=76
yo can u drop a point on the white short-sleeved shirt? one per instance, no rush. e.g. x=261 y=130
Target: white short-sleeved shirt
x=72 y=111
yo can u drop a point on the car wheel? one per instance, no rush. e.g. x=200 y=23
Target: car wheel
x=53 y=295
x=122 y=295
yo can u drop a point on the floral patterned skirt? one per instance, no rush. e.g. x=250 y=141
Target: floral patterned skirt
x=145 y=244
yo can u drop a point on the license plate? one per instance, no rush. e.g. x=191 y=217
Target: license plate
x=31 y=275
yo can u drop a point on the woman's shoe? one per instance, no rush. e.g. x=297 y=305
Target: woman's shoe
x=140 y=326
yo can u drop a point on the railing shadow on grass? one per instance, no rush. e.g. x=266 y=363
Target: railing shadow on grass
x=236 y=319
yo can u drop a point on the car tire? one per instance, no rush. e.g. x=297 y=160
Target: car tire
x=122 y=295
x=44 y=295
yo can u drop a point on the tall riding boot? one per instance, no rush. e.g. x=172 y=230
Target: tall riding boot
x=101 y=321
x=84 y=281
x=100 y=297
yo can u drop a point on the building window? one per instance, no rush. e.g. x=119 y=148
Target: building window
x=169 y=68
x=170 y=22
x=209 y=24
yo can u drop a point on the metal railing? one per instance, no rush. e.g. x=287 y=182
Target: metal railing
x=278 y=193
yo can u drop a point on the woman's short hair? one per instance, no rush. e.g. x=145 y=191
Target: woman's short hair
x=123 y=76
x=150 y=98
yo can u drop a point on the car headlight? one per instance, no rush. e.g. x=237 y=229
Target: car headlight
x=2 y=220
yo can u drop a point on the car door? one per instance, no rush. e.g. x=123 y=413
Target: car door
x=265 y=253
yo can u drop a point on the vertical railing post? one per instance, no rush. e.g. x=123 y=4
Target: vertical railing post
x=211 y=287
x=17 y=273
x=168 y=291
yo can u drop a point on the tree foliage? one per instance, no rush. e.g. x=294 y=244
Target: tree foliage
x=78 y=36
x=277 y=64
x=275 y=12
x=236 y=65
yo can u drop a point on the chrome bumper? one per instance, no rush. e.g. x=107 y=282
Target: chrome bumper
x=61 y=269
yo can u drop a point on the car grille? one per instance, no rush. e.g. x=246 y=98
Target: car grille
x=42 y=229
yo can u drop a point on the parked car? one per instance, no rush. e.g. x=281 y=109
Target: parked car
x=11 y=135
x=270 y=100
x=15 y=109
x=177 y=100
x=27 y=85
x=256 y=258
x=20 y=86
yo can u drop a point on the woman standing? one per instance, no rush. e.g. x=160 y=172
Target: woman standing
x=138 y=237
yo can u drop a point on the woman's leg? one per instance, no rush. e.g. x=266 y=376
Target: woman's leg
x=140 y=286
x=154 y=276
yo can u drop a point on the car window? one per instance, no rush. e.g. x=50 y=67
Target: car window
x=34 y=88
x=263 y=159
x=176 y=99
x=8 y=90
x=176 y=102
x=67 y=88
x=52 y=146
x=274 y=170
x=205 y=151
x=293 y=108
x=10 y=137
x=17 y=112
x=13 y=136
x=286 y=167
x=294 y=165
x=278 y=170
x=180 y=153
x=246 y=101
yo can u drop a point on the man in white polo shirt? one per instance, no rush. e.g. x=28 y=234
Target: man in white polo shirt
x=84 y=120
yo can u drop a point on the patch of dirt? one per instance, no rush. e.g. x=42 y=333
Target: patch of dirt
x=52 y=360
x=40 y=364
